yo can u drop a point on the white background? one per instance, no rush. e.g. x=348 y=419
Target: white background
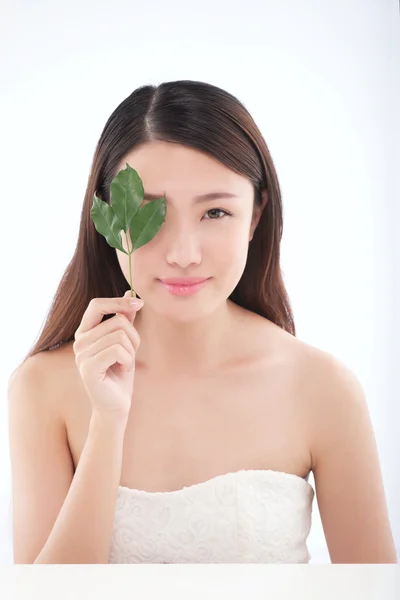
x=321 y=79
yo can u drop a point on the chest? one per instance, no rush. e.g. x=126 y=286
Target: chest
x=190 y=429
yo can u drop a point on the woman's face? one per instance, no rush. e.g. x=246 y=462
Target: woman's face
x=199 y=238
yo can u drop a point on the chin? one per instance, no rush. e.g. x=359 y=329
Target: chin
x=189 y=310
x=185 y=314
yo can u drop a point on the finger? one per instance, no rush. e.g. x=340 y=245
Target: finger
x=101 y=362
x=98 y=307
x=127 y=326
x=107 y=341
x=131 y=315
x=119 y=322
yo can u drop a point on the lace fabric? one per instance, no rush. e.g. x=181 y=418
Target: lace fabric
x=248 y=516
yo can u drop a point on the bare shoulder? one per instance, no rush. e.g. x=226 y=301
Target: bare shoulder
x=333 y=394
x=272 y=342
x=344 y=456
x=331 y=391
x=30 y=374
x=327 y=390
x=41 y=464
x=320 y=370
x=44 y=375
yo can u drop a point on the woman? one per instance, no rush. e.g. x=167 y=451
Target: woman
x=183 y=428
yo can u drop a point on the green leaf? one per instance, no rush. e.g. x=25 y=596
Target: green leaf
x=106 y=223
x=147 y=222
x=127 y=195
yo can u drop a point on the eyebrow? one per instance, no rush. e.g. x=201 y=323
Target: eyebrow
x=196 y=199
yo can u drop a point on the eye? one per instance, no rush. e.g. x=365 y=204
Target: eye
x=218 y=210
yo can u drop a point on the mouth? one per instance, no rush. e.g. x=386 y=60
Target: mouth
x=183 y=280
x=184 y=286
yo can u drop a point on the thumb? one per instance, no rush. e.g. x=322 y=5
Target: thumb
x=132 y=294
x=132 y=310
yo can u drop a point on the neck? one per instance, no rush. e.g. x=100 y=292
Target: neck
x=173 y=345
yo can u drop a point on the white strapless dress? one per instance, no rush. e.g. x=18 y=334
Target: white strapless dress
x=248 y=516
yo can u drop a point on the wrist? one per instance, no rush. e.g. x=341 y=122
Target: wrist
x=108 y=422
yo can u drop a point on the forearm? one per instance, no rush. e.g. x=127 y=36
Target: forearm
x=83 y=529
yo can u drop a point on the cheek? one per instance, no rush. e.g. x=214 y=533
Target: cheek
x=229 y=254
x=231 y=242
x=143 y=267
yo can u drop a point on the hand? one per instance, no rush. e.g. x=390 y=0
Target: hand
x=105 y=353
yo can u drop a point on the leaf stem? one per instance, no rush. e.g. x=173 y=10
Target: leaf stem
x=133 y=294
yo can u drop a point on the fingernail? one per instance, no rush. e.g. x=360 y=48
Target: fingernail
x=135 y=302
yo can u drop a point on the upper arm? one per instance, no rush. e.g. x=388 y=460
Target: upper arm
x=348 y=479
x=41 y=464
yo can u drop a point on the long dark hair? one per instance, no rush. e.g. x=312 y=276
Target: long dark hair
x=201 y=116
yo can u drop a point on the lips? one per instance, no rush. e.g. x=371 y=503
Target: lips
x=186 y=286
x=183 y=281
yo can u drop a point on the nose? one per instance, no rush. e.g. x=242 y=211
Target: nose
x=183 y=248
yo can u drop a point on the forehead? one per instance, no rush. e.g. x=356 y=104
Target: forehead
x=165 y=166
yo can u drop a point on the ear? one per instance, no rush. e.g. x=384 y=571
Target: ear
x=258 y=210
